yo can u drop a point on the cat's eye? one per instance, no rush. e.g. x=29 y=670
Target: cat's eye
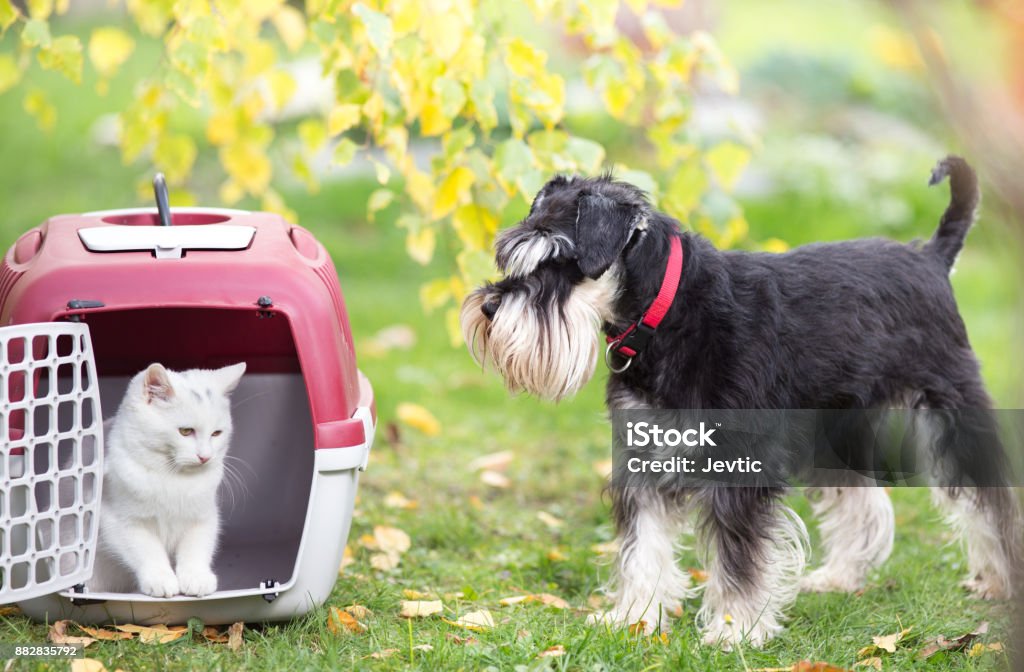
x=186 y=431
x=218 y=432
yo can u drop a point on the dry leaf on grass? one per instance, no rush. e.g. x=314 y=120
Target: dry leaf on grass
x=474 y=620
x=10 y=610
x=103 y=633
x=383 y=653
x=980 y=648
x=155 y=634
x=423 y=647
x=420 y=608
x=606 y=548
x=359 y=611
x=411 y=594
x=396 y=500
x=417 y=417
x=555 y=555
x=235 y=636
x=493 y=462
x=391 y=539
x=342 y=622
x=460 y=640
x=884 y=643
x=58 y=634
x=960 y=643
x=212 y=634
x=874 y=662
x=495 y=479
x=550 y=520
x=87 y=665
x=385 y=562
x=552 y=652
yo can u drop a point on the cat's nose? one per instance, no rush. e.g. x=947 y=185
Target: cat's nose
x=203 y=460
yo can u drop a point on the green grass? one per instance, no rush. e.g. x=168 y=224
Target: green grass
x=488 y=543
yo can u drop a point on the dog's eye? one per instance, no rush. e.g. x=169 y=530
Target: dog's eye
x=217 y=433
x=186 y=431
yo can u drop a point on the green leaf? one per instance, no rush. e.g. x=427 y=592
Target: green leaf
x=640 y=179
x=8 y=15
x=476 y=266
x=378 y=28
x=516 y=169
x=457 y=141
x=727 y=161
x=379 y=199
x=450 y=94
x=313 y=134
x=175 y=154
x=481 y=94
x=435 y=293
x=684 y=190
x=587 y=154
x=36 y=33
x=344 y=152
x=475 y=226
x=65 y=56
x=10 y=73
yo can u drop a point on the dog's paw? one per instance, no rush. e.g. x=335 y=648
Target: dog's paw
x=987 y=588
x=726 y=633
x=197 y=581
x=159 y=583
x=648 y=622
x=827 y=580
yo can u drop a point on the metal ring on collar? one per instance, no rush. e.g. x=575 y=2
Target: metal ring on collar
x=608 y=359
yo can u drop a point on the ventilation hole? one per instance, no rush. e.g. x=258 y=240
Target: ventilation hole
x=67 y=530
x=40 y=347
x=88 y=417
x=16 y=386
x=68 y=563
x=44 y=570
x=45 y=501
x=65 y=378
x=66 y=454
x=67 y=416
x=65 y=345
x=88 y=457
x=87 y=525
x=19 y=575
x=88 y=488
x=83 y=375
x=66 y=492
x=19 y=539
x=43 y=382
x=16 y=350
x=20 y=504
x=41 y=421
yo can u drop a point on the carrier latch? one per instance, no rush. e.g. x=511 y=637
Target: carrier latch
x=82 y=304
x=269 y=585
x=265 y=303
x=81 y=602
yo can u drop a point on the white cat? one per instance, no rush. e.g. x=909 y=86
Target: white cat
x=159 y=520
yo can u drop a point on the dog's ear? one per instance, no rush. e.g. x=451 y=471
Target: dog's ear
x=602 y=230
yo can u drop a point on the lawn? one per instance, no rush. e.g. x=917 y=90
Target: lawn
x=473 y=544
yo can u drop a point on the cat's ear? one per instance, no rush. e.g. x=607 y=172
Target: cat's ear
x=230 y=376
x=156 y=384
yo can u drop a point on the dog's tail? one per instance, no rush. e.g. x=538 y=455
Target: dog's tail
x=963 y=205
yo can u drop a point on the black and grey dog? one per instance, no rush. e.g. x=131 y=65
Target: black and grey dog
x=860 y=324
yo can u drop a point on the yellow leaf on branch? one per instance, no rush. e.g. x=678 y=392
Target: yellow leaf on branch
x=453 y=190
x=109 y=48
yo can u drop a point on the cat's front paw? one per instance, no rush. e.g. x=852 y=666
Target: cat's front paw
x=160 y=583
x=197 y=581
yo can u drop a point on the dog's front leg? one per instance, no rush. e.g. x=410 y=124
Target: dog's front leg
x=647 y=585
x=756 y=548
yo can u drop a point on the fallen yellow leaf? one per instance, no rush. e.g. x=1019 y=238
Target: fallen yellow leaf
x=341 y=622
x=102 y=633
x=492 y=462
x=87 y=665
x=384 y=562
x=874 y=662
x=347 y=559
x=419 y=418
x=359 y=611
x=495 y=479
x=475 y=620
x=889 y=642
x=552 y=652
x=391 y=539
x=555 y=555
x=550 y=520
x=420 y=608
x=156 y=634
x=396 y=500
x=212 y=634
x=383 y=653
x=58 y=634
x=235 y=636
x=606 y=547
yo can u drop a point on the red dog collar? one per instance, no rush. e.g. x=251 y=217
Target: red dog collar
x=630 y=342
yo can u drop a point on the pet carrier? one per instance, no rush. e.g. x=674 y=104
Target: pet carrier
x=92 y=299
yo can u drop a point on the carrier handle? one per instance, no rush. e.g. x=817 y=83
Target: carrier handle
x=163 y=206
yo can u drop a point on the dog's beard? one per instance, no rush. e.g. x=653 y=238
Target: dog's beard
x=550 y=351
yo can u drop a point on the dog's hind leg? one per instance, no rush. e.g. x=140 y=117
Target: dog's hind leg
x=857 y=528
x=757 y=550
x=647 y=585
x=974 y=492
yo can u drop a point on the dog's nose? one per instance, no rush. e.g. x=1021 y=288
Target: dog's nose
x=490 y=307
